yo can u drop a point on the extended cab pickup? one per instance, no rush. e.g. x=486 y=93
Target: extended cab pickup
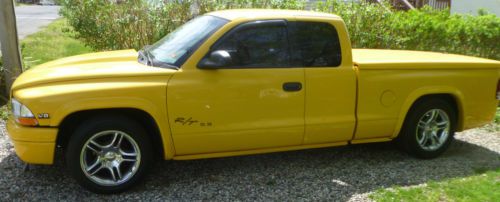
x=242 y=82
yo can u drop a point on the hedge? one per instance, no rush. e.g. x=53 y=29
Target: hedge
x=109 y=25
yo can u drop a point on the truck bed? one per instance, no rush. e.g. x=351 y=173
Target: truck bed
x=389 y=81
x=403 y=59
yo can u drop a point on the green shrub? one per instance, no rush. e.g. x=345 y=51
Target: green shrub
x=377 y=26
x=105 y=25
x=132 y=24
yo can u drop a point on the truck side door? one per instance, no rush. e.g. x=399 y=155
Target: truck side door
x=254 y=102
x=330 y=80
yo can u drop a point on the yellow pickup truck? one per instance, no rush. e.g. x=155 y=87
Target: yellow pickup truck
x=241 y=82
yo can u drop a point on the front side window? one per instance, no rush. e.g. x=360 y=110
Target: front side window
x=255 y=44
x=315 y=44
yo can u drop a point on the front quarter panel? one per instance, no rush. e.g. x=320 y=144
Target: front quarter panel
x=59 y=100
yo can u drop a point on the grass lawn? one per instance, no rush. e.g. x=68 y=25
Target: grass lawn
x=52 y=42
x=483 y=187
x=4 y=112
x=21 y=4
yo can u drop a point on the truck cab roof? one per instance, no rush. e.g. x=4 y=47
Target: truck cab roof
x=268 y=13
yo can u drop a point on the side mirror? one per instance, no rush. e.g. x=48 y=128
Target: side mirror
x=219 y=58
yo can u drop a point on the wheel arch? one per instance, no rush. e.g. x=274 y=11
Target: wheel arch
x=450 y=95
x=71 y=122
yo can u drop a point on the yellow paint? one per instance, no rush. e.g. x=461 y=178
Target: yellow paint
x=256 y=14
x=473 y=90
x=228 y=99
x=372 y=140
x=403 y=59
x=22 y=133
x=330 y=117
x=245 y=111
x=33 y=145
x=260 y=151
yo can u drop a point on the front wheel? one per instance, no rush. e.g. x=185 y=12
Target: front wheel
x=428 y=129
x=108 y=154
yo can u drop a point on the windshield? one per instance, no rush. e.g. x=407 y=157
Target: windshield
x=174 y=48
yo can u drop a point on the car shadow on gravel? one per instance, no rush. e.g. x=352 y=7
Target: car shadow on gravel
x=331 y=173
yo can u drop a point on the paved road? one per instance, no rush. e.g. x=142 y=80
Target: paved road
x=31 y=18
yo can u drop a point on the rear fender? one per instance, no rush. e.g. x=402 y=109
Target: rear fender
x=431 y=90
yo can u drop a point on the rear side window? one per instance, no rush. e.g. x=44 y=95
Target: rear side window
x=315 y=44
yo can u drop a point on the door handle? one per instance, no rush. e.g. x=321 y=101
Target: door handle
x=292 y=86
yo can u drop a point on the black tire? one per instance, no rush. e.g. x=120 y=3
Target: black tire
x=133 y=131
x=408 y=137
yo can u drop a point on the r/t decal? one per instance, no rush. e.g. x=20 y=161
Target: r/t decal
x=191 y=122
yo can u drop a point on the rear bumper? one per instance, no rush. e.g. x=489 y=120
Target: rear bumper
x=35 y=145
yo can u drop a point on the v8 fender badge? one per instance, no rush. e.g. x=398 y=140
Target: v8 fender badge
x=43 y=116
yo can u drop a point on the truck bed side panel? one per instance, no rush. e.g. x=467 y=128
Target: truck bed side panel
x=385 y=96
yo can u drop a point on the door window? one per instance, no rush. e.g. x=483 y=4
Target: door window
x=255 y=44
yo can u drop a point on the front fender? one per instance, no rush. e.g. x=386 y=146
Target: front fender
x=62 y=99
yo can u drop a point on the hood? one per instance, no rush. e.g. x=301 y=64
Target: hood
x=109 y=64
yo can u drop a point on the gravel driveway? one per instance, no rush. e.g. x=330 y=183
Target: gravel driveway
x=340 y=174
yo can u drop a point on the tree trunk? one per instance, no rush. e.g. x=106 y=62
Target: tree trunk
x=11 y=56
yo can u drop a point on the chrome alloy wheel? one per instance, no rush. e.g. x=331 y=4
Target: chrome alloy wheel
x=110 y=158
x=433 y=129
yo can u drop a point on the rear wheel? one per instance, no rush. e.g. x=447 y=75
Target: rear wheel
x=428 y=129
x=108 y=154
